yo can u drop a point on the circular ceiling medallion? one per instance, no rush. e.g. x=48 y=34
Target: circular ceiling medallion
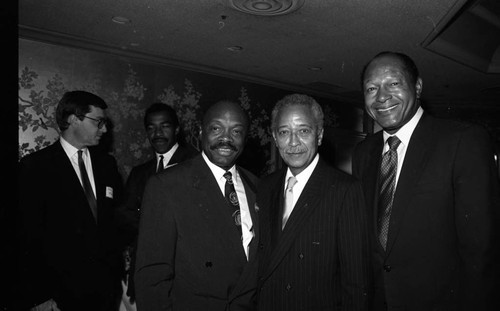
x=266 y=7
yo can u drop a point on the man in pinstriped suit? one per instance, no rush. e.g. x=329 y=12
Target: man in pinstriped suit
x=314 y=254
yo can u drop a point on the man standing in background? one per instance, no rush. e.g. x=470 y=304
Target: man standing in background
x=433 y=195
x=68 y=191
x=163 y=132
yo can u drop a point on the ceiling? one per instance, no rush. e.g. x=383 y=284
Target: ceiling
x=319 y=48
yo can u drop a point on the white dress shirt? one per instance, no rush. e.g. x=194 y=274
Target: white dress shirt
x=72 y=154
x=246 y=218
x=404 y=135
x=166 y=156
x=302 y=179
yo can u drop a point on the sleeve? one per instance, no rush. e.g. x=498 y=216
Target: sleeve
x=34 y=284
x=155 y=259
x=127 y=213
x=477 y=204
x=354 y=251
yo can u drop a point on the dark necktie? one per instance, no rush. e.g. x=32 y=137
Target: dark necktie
x=288 y=200
x=388 y=170
x=87 y=188
x=232 y=199
x=160 y=165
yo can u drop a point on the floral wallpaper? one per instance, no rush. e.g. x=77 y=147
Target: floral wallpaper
x=129 y=86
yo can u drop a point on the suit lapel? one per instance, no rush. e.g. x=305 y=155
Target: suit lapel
x=98 y=170
x=177 y=156
x=74 y=182
x=415 y=158
x=371 y=179
x=215 y=208
x=305 y=206
x=249 y=271
x=251 y=198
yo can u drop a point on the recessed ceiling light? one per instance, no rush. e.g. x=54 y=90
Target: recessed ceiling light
x=266 y=7
x=120 y=20
x=315 y=68
x=235 y=48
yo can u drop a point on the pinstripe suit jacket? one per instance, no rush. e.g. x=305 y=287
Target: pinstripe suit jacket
x=320 y=260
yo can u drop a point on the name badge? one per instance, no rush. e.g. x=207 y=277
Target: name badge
x=109 y=192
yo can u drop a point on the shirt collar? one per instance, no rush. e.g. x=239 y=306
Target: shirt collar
x=69 y=148
x=404 y=133
x=303 y=176
x=218 y=171
x=169 y=153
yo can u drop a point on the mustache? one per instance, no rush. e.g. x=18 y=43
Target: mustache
x=223 y=144
x=295 y=150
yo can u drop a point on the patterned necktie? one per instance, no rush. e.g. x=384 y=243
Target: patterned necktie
x=87 y=188
x=232 y=199
x=160 y=165
x=387 y=184
x=288 y=200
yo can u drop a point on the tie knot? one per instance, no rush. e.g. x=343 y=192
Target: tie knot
x=80 y=152
x=291 y=182
x=228 y=176
x=393 y=142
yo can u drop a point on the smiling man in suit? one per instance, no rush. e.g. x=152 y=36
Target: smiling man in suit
x=69 y=259
x=198 y=227
x=435 y=217
x=314 y=241
x=164 y=134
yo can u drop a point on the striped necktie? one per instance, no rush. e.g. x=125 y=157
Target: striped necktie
x=388 y=170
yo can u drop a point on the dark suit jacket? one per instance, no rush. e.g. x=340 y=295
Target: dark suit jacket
x=189 y=255
x=442 y=240
x=128 y=213
x=320 y=260
x=64 y=254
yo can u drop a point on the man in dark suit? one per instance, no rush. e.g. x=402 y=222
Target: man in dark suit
x=67 y=196
x=163 y=132
x=435 y=237
x=197 y=250
x=314 y=243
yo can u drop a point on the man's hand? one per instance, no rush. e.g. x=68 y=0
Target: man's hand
x=49 y=305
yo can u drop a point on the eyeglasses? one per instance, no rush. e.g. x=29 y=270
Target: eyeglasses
x=100 y=122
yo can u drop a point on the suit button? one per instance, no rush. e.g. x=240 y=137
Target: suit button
x=288 y=287
x=387 y=268
x=301 y=256
x=208 y=264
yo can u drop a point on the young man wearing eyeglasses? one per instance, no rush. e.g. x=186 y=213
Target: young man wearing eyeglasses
x=68 y=258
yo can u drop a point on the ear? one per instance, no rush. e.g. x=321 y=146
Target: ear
x=320 y=136
x=72 y=119
x=177 y=129
x=274 y=137
x=418 y=87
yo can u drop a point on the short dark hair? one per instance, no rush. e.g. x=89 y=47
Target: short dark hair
x=299 y=100
x=77 y=103
x=409 y=65
x=161 y=107
x=225 y=102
